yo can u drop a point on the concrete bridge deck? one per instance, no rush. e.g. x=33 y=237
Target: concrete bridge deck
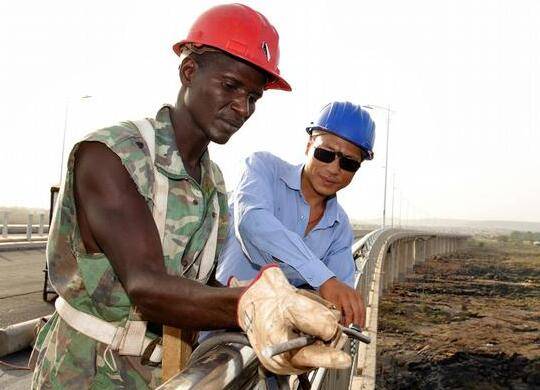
x=21 y=286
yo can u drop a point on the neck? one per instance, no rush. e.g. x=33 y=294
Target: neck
x=312 y=197
x=190 y=139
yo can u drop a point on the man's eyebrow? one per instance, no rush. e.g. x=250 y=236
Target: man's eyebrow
x=234 y=79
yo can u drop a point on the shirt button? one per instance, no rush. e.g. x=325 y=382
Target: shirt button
x=195 y=202
x=301 y=217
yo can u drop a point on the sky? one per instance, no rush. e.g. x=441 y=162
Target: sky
x=462 y=79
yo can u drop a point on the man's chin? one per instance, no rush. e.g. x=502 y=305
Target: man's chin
x=325 y=191
x=221 y=138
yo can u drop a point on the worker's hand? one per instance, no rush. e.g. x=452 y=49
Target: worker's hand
x=346 y=299
x=271 y=311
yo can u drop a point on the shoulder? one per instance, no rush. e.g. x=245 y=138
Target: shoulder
x=126 y=142
x=343 y=218
x=115 y=134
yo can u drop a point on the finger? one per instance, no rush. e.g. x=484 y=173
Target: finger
x=348 y=312
x=311 y=317
x=339 y=342
x=316 y=297
x=356 y=305
x=321 y=356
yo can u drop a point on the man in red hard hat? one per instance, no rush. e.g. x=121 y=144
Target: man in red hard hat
x=142 y=216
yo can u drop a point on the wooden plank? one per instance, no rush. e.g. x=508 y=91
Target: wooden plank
x=177 y=348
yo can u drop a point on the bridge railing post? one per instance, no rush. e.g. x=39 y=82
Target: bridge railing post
x=29 y=228
x=41 y=223
x=5 y=224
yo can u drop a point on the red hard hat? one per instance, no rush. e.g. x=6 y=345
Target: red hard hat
x=242 y=32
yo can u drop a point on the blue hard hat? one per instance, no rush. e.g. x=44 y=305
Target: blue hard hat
x=350 y=122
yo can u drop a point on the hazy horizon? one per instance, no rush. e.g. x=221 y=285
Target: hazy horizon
x=463 y=78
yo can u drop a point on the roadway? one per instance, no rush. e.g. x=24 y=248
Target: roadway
x=21 y=283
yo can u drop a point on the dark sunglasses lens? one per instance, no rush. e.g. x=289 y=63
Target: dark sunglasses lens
x=326 y=156
x=348 y=164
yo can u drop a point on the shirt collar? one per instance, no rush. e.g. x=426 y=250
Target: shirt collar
x=293 y=178
x=168 y=158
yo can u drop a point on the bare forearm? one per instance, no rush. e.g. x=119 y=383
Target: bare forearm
x=183 y=303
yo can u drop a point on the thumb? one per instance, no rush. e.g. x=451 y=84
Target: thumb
x=321 y=356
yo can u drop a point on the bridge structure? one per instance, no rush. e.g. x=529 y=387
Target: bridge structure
x=382 y=257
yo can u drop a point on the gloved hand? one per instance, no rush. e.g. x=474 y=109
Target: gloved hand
x=271 y=311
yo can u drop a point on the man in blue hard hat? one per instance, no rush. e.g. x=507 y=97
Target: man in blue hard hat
x=289 y=214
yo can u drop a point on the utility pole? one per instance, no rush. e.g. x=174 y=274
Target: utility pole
x=388 y=111
x=66 y=115
x=393 y=193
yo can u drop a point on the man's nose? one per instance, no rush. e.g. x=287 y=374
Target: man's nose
x=241 y=106
x=333 y=166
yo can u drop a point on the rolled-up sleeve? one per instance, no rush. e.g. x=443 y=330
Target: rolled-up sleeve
x=264 y=239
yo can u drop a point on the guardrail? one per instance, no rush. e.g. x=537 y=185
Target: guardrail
x=382 y=257
x=24 y=229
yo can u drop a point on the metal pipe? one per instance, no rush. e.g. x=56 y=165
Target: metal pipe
x=19 y=336
x=218 y=339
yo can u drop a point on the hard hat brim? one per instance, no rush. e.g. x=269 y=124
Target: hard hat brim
x=275 y=80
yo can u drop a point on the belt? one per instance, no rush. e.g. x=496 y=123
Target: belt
x=128 y=340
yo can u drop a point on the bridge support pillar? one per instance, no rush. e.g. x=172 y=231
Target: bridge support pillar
x=410 y=256
x=392 y=274
x=402 y=258
x=419 y=251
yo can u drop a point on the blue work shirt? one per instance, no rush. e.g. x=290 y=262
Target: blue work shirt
x=268 y=216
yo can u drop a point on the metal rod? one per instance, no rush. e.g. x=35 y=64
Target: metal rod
x=303 y=341
x=356 y=333
x=298 y=342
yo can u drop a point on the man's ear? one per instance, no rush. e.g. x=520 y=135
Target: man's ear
x=187 y=70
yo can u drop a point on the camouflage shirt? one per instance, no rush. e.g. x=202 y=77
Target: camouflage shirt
x=68 y=359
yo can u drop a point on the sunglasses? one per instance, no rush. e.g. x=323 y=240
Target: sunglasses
x=345 y=163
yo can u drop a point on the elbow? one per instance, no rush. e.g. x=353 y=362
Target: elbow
x=247 y=224
x=141 y=294
x=242 y=226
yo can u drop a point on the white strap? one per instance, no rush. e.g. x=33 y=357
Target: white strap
x=161 y=182
x=159 y=212
x=114 y=336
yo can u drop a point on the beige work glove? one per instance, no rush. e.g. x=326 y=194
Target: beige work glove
x=271 y=311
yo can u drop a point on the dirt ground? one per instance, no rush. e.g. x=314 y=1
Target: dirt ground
x=464 y=321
